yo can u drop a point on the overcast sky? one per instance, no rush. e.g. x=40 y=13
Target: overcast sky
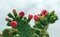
x=31 y=7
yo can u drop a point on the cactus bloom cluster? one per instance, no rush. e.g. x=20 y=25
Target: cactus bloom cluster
x=20 y=26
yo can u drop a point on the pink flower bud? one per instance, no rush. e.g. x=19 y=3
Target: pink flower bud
x=36 y=17
x=30 y=16
x=21 y=14
x=13 y=23
x=6 y=19
x=44 y=12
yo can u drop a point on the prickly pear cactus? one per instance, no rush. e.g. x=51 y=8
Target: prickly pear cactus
x=20 y=24
x=44 y=19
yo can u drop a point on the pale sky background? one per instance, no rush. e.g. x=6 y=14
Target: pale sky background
x=33 y=7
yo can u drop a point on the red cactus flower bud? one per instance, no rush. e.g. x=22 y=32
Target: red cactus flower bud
x=44 y=12
x=6 y=19
x=30 y=16
x=14 y=11
x=21 y=14
x=13 y=23
x=36 y=17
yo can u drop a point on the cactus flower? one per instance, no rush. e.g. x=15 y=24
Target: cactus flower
x=36 y=17
x=13 y=23
x=21 y=14
x=44 y=12
x=30 y=16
